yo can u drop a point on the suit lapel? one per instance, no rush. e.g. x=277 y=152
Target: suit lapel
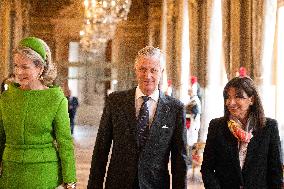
x=130 y=113
x=161 y=114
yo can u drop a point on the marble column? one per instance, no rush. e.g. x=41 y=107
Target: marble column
x=279 y=71
x=257 y=39
x=204 y=34
x=5 y=7
x=267 y=64
x=245 y=36
x=170 y=28
x=175 y=42
x=182 y=51
x=13 y=19
x=234 y=33
x=130 y=37
x=226 y=21
x=249 y=28
x=155 y=20
x=234 y=36
x=194 y=24
x=163 y=42
x=204 y=16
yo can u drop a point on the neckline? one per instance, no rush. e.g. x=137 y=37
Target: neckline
x=16 y=86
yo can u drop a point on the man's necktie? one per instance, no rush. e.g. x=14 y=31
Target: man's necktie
x=143 y=123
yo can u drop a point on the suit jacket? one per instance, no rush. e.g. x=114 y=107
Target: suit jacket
x=118 y=127
x=221 y=166
x=72 y=106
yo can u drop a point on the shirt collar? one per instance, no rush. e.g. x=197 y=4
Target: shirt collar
x=154 y=96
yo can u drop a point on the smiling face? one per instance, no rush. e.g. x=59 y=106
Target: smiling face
x=26 y=72
x=148 y=74
x=238 y=103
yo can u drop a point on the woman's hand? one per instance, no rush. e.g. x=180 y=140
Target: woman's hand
x=71 y=185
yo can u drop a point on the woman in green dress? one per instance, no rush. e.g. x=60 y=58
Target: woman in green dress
x=36 y=147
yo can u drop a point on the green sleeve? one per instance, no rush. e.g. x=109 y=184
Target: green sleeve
x=65 y=142
x=2 y=134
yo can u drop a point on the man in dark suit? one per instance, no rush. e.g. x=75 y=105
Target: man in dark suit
x=73 y=104
x=140 y=154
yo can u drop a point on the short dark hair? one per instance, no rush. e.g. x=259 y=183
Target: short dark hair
x=246 y=84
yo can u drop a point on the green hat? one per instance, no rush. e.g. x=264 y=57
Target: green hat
x=35 y=44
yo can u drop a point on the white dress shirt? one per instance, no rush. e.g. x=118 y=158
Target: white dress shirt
x=151 y=103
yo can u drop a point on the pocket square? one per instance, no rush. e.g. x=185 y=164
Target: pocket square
x=165 y=127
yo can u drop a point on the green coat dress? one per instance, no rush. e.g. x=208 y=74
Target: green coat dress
x=36 y=147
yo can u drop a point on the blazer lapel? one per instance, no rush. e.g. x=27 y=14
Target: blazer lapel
x=233 y=146
x=252 y=146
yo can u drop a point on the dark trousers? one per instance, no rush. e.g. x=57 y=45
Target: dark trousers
x=136 y=183
x=72 y=121
x=72 y=124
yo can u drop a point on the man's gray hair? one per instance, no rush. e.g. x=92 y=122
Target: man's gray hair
x=151 y=52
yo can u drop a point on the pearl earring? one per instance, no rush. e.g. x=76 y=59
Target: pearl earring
x=40 y=77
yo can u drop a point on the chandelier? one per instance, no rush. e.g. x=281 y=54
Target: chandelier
x=100 y=20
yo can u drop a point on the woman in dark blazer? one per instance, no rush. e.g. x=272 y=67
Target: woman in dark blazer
x=243 y=147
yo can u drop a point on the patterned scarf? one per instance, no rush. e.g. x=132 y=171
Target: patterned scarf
x=243 y=137
x=236 y=129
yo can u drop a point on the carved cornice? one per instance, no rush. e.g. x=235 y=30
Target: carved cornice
x=155 y=2
x=138 y=10
x=135 y=30
x=48 y=8
x=75 y=10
